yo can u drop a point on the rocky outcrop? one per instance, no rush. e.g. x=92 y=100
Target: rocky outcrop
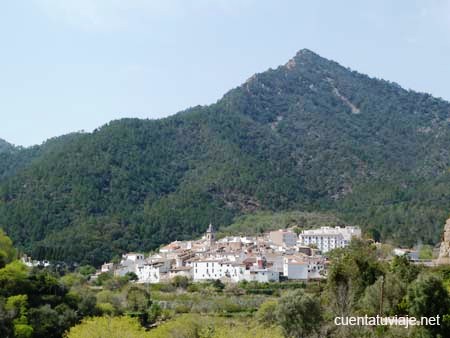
x=444 y=252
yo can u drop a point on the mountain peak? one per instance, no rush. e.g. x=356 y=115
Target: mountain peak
x=305 y=52
x=303 y=56
x=317 y=136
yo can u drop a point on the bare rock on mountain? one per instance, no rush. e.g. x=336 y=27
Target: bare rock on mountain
x=444 y=252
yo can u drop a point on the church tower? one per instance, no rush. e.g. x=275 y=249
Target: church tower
x=210 y=235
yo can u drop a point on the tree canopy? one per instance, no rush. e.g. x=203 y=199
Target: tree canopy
x=310 y=135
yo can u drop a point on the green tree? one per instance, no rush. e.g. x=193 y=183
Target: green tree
x=299 y=314
x=131 y=276
x=402 y=267
x=86 y=270
x=138 y=299
x=18 y=308
x=267 y=313
x=384 y=296
x=428 y=297
x=352 y=269
x=14 y=279
x=181 y=282
x=7 y=252
x=103 y=278
x=218 y=285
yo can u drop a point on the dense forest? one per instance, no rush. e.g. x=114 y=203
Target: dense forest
x=310 y=135
x=5 y=146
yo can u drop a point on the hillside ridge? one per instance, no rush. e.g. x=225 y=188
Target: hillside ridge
x=310 y=135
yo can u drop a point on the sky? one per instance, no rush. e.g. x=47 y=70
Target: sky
x=72 y=65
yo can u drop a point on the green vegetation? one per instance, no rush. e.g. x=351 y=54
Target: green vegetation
x=200 y=326
x=185 y=326
x=7 y=251
x=427 y=297
x=426 y=252
x=40 y=303
x=358 y=284
x=287 y=139
x=263 y=221
x=108 y=327
x=299 y=314
x=5 y=146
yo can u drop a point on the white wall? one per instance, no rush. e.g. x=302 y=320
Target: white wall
x=295 y=270
x=206 y=270
x=261 y=276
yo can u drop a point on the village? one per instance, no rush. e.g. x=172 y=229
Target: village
x=272 y=257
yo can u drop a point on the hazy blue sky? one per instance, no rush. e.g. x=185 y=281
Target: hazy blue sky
x=76 y=64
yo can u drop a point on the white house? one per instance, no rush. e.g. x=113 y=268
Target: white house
x=107 y=267
x=328 y=238
x=207 y=269
x=303 y=268
x=260 y=275
x=294 y=268
x=133 y=256
x=152 y=272
x=129 y=263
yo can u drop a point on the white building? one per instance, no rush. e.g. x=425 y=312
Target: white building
x=208 y=269
x=133 y=256
x=231 y=271
x=152 y=272
x=129 y=263
x=283 y=237
x=107 y=267
x=32 y=263
x=328 y=238
x=233 y=259
x=303 y=268
x=260 y=275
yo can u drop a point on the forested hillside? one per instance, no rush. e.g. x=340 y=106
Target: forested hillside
x=5 y=146
x=310 y=135
x=13 y=159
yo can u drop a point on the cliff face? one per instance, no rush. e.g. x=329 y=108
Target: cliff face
x=444 y=252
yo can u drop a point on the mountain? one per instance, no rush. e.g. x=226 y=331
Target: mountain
x=310 y=135
x=5 y=146
x=13 y=159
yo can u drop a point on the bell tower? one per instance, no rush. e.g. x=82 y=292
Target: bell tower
x=210 y=235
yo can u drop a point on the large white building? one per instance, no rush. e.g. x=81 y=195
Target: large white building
x=328 y=238
x=207 y=269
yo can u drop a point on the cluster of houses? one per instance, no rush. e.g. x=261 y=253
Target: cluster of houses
x=274 y=256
